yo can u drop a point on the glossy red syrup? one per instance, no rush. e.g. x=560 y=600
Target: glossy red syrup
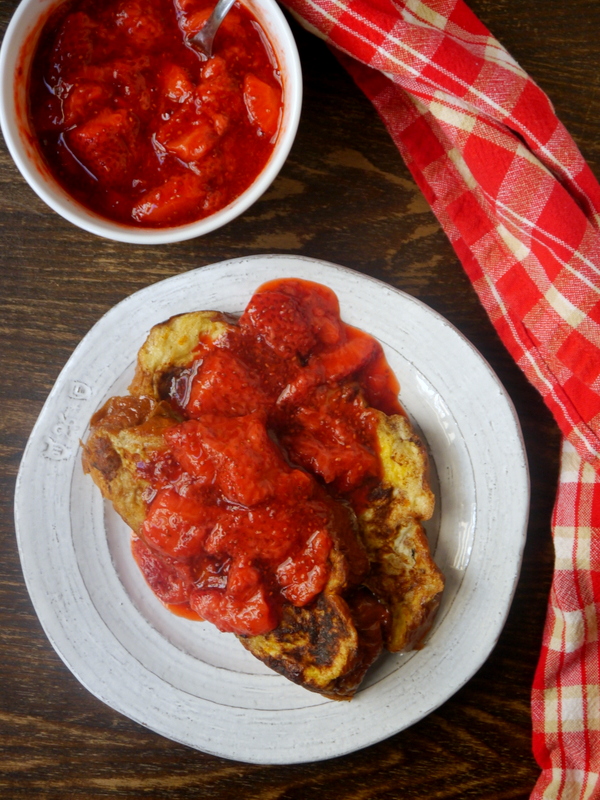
x=276 y=446
x=135 y=126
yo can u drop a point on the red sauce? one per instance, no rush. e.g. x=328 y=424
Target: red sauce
x=135 y=126
x=276 y=445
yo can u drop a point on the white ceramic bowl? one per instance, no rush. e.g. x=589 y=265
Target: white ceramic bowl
x=15 y=58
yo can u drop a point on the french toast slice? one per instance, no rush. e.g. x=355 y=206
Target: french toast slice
x=402 y=573
x=383 y=586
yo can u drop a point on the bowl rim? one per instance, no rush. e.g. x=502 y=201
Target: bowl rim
x=24 y=23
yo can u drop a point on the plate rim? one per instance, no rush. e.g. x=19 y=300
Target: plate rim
x=297 y=261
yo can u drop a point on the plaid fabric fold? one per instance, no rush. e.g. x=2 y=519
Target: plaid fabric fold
x=522 y=210
x=565 y=697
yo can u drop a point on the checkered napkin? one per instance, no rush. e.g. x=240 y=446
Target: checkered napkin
x=522 y=210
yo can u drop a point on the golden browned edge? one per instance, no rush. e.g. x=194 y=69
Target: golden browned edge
x=403 y=573
x=118 y=441
x=171 y=344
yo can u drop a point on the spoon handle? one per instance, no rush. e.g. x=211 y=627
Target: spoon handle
x=204 y=38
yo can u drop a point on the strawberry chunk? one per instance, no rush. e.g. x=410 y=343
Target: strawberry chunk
x=195 y=143
x=176 y=526
x=176 y=200
x=123 y=79
x=245 y=608
x=142 y=27
x=189 y=133
x=170 y=580
x=194 y=22
x=219 y=91
x=248 y=466
x=129 y=83
x=232 y=24
x=74 y=45
x=86 y=99
x=176 y=82
x=281 y=322
x=106 y=145
x=223 y=384
x=191 y=21
x=263 y=103
x=302 y=578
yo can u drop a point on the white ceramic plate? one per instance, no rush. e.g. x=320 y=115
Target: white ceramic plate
x=185 y=679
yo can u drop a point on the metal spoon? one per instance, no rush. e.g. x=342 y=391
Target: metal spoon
x=203 y=40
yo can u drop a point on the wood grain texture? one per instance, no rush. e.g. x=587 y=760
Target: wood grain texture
x=344 y=195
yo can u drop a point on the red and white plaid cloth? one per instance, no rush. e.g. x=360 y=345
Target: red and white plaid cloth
x=522 y=210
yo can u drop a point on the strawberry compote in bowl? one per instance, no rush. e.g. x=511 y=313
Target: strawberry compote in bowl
x=121 y=127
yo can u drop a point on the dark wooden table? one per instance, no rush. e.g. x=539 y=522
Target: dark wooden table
x=344 y=195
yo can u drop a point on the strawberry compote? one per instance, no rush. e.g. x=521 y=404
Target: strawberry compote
x=276 y=447
x=135 y=125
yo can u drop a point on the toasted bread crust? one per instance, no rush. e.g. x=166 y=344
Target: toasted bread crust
x=312 y=646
